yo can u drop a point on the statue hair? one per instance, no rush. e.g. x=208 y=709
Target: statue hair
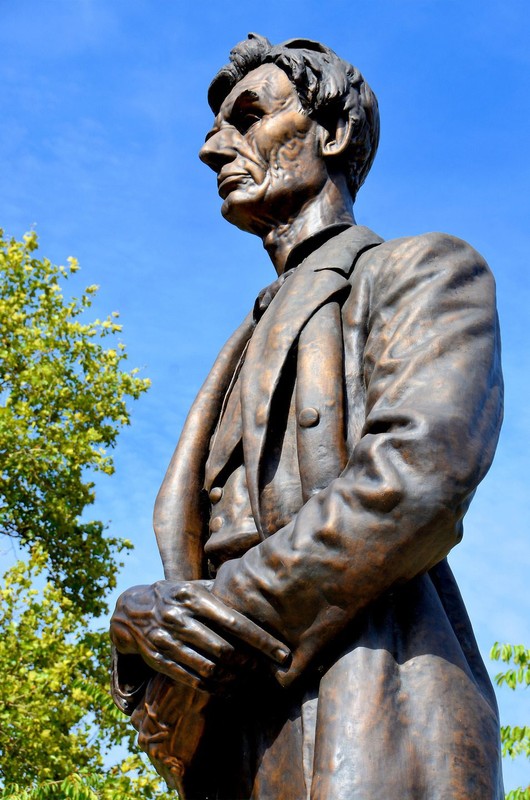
x=328 y=88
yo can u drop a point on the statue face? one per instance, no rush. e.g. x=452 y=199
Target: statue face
x=265 y=151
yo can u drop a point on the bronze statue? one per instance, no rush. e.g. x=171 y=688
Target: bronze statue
x=309 y=640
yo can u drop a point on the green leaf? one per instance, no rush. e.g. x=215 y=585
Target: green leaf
x=63 y=401
x=515 y=739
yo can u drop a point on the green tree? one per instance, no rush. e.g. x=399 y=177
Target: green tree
x=63 y=399
x=515 y=739
x=57 y=721
x=63 y=393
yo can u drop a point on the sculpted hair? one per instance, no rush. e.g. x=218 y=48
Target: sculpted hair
x=328 y=88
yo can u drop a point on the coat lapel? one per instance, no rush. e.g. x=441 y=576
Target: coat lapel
x=321 y=277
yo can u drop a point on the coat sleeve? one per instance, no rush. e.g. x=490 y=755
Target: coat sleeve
x=178 y=518
x=433 y=412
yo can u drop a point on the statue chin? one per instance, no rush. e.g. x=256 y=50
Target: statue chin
x=239 y=211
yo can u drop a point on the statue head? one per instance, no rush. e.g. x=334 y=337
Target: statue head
x=295 y=134
x=330 y=91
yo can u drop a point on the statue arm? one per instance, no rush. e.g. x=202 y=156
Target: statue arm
x=178 y=525
x=433 y=412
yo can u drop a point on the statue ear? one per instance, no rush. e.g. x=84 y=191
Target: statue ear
x=335 y=142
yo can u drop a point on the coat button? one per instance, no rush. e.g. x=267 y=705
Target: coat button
x=215 y=494
x=216 y=524
x=308 y=417
x=261 y=415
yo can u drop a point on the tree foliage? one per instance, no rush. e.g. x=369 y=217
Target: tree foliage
x=63 y=394
x=515 y=739
x=63 y=399
x=57 y=721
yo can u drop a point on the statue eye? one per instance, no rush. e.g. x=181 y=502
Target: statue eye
x=244 y=120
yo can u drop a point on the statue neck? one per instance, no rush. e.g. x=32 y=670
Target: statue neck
x=331 y=208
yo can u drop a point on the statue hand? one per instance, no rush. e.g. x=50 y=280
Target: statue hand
x=179 y=629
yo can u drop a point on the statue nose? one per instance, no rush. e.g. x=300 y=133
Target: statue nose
x=217 y=151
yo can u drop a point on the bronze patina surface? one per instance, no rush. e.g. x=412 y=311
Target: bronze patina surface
x=309 y=641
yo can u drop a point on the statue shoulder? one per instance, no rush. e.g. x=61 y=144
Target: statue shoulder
x=411 y=258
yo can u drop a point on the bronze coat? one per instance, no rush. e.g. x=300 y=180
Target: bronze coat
x=398 y=404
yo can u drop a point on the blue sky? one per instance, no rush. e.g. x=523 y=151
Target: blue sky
x=103 y=111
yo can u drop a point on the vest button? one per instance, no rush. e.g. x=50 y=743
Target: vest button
x=308 y=417
x=215 y=494
x=216 y=524
x=261 y=415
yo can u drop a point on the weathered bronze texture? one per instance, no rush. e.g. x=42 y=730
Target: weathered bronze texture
x=309 y=640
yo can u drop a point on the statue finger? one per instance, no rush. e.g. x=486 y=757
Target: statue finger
x=187 y=665
x=176 y=671
x=246 y=630
x=199 y=637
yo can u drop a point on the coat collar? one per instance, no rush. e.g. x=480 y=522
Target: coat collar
x=322 y=276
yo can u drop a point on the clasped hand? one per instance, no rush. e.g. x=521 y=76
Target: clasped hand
x=185 y=632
